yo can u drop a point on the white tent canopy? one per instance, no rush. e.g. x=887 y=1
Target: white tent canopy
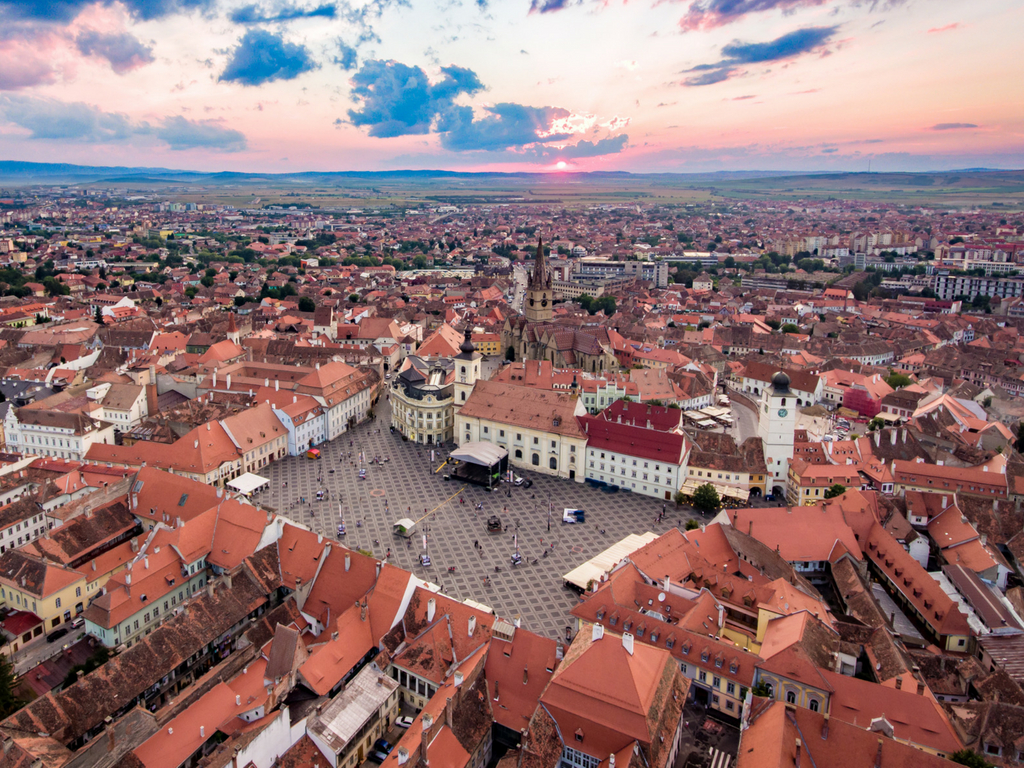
x=247 y=483
x=600 y=564
x=484 y=454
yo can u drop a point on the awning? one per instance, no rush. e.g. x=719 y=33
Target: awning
x=730 y=491
x=483 y=454
x=247 y=483
x=600 y=564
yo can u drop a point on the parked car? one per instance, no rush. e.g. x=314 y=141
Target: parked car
x=383 y=746
x=404 y=721
x=55 y=636
x=376 y=756
x=77 y=623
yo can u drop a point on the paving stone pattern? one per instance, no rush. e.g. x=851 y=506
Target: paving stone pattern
x=407 y=486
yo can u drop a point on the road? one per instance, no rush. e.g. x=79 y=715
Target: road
x=744 y=423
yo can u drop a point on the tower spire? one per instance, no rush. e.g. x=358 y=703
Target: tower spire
x=540 y=277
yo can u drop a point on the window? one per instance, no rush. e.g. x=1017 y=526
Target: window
x=57 y=603
x=535 y=460
x=78 y=591
x=702 y=676
x=813 y=705
x=716 y=682
x=730 y=688
x=790 y=697
x=553 y=463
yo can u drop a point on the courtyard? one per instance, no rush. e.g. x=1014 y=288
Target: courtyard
x=405 y=484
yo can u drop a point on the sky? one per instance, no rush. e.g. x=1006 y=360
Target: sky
x=649 y=86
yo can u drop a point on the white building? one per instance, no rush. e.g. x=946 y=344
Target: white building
x=55 y=433
x=641 y=460
x=776 y=425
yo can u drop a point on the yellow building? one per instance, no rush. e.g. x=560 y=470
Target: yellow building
x=488 y=343
x=54 y=592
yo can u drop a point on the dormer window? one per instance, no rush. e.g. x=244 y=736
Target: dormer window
x=704 y=656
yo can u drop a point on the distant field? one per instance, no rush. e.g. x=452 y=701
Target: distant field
x=403 y=189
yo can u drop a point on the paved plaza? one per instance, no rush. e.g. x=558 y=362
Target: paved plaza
x=407 y=486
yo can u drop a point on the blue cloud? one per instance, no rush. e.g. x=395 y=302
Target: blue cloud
x=348 y=56
x=394 y=99
x=506 y=125
x=785 y=47
x=49 y=119
x=737 y=54
x=263 y=56
x=253 y=14
x=707 y=14
x=179 y=134
x=123 y=51
x=67 y=10
x=954 y=127
x=610 y=146
x=399 y=100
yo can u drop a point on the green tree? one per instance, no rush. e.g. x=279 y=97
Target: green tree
x=970 y=758
x=791 y=328
x=10 y=702
x=876 y=423
x=207 y=281
x=691 y=524
x=354 y=298
x=585 y=301
x=761 y=690
x=240 y=300
x=306 y=304
x=706 y=498
x=835 y=490
x=898 y=380
x=98 y=317
x=679 y=498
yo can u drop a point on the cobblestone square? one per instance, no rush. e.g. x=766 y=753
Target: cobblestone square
x=406 y=485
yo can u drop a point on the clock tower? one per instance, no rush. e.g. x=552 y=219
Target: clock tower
x=776 y=425
x=538 y=291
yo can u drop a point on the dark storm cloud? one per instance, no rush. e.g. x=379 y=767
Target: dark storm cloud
x=123 y=51
x=263 y=56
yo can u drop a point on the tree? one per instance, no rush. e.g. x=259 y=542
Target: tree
x=207 y=281
x=585 y=301
x=790 y=328
x=354 y=298
x=1019 y=444
x=240 y=300
x=10 y=702
x=706 y=498
x=898 y=380
x=306 y=304
x=98 y=315
x=679 y=498
x=692 y=524
x=970 y=758
x=761 y=690
x=835 y=490
x=510 y=354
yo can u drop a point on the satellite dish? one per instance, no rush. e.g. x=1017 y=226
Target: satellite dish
x=661 y=597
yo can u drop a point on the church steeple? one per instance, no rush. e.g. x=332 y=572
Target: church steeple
x=538 y=293
x=540 y=278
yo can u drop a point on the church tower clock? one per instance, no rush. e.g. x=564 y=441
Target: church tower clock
x=776 y=426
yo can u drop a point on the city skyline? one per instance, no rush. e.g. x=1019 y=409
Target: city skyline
x=692 y=86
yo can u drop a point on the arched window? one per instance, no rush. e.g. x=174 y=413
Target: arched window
x=783 y=402
x=535 y=460
x=770 y=689
x=790 y=697
x=464 y=373
x=813 y=705
x=463 y=397
x=519 y=454
x=553 y=463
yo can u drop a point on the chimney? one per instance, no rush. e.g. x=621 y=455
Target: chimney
x=145 y=561
x=597 y=633
x=824 y=727
x=238 y=699
x=403 y=755
x=472 y=625
x=459 y=677
x=362 y=611
x=668 y=583
x=334 y=637
x=611 y=761
x=202 y=731
x=920 y=688
x=899 y=683
x=796 y=760
x=627 y=642
x=209 y=589
x=431 y=607
x=348 y=561
x=151 y=401
x=128 y=578
x=277 y=385
x=878 y=755
x=448 y=711
x=892 y=437
x=229 y=381
x=295 y=398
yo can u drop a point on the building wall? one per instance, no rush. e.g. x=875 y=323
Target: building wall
x=651 y=478
x=525 y=445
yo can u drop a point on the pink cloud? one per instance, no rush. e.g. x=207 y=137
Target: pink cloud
x=25 y=66
x=947 y=28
